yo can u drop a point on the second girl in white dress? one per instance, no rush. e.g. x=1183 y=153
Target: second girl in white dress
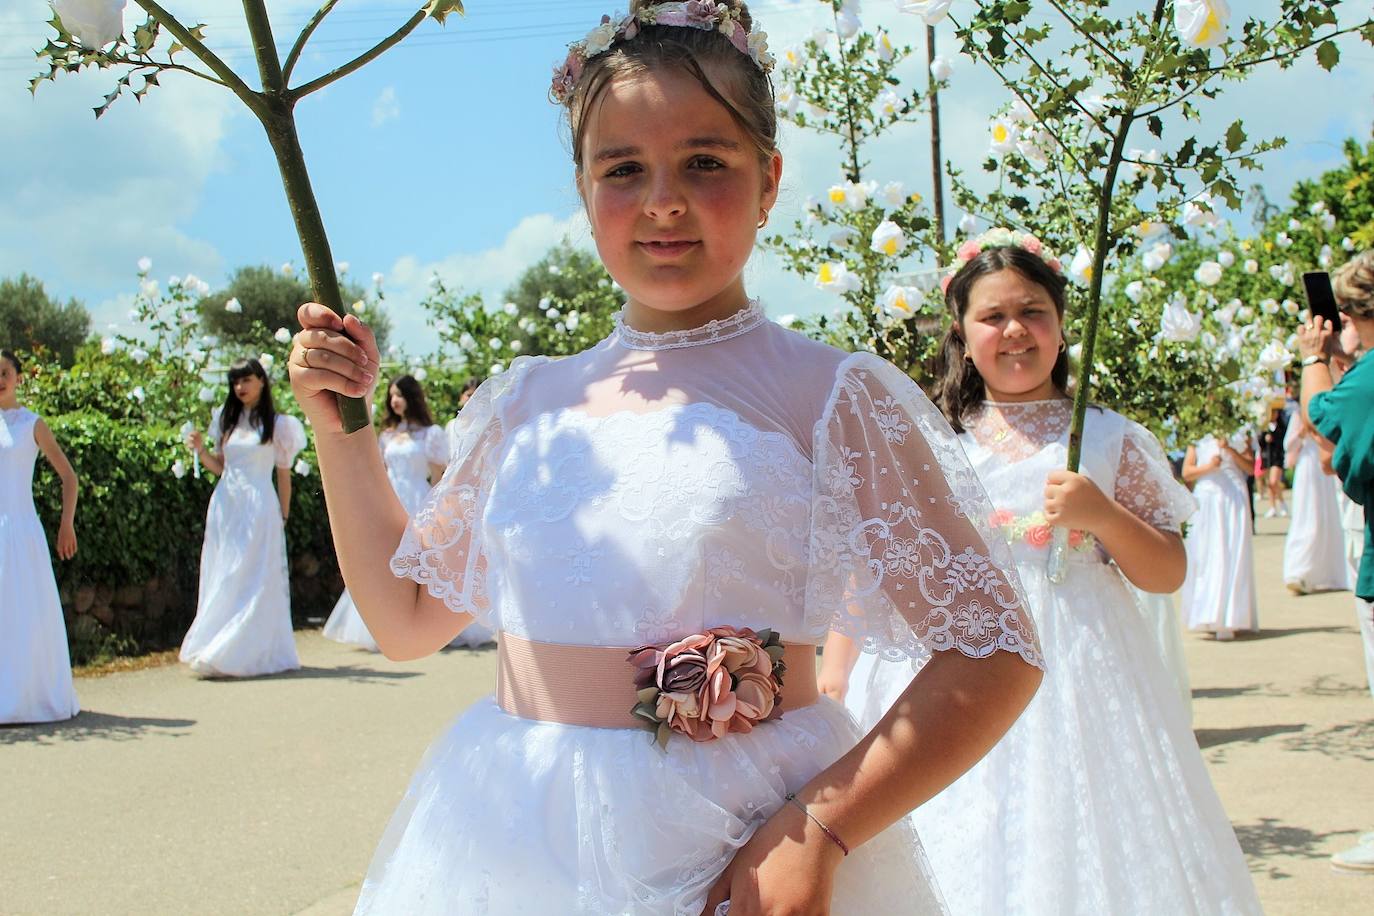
x=1219 y=593
x=1314 y=548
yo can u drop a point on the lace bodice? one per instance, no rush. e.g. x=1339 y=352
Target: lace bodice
x=408 y=452
x=18 y=452
x=1014 y=447
x=637 y=494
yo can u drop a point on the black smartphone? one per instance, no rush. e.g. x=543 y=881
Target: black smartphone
x=1321 y=301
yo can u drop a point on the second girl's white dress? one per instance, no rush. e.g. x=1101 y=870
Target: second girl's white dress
x=641 y=491
x=35 y=669
x=1219 y=592
x=243 y=615
x=408 y=451
x=1097 y=802
x=1314 y=548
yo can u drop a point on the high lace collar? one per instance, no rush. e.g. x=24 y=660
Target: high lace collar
x=743 y=321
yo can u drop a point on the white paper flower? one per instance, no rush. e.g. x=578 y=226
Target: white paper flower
x=888 y=238
x=572 y=321
x=835 y=277
x=1226 y=258
x=1324 y=258
x=843 y=237
x=282 y=336
x=145 y=265
x=510 y=308
x=847 y=22
x=466 y=342
x=496 y=369
x=1282 y=240
x=1200 y=212
x=885 y=51
x=900 y=302
x=1201 y=23
x=1156 y=256
x=894 y=195
x=599 y=39
x=1269 y=306
x=1328 y=221
x=420 y=373
x=207 y=395
x=1208 y=273
x=138 y=394
x=302 y=467
x=495 y=344
x=1274 y=356
x=968 y=224
x=1135 y=291
x=1347 y=244
x=1290 y=307
x=95 y=22
x=1081 y=267
x=178 y=469
x=1251 y=266
x=267 y=360
x=233 y=306
x=108 y=345
x=341 y=267
x=1178 y=324
x=889 y=102
x=1002 y=137
x=941 y=68
x=932 y=12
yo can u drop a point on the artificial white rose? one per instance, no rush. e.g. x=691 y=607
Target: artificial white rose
x=1328 y=221
x=1178 y=324
x=138 y=394
x=1081 y=267
x=599 y=39
x=894 y=195
x=900 y=302
x=836 y=277
x=1156 y=256
x=510 y=308
x=888 y=238
x=968 y=224
x=1251 y=266
x=138 y=354
x=495 y=344
x=466 y=342
x=420 y=373
x=341 y=267
x=1274 y=356
x=95 y=23
x=233 y=306
x=1347 y=244
x=1208 y=273
x=1201 y=23
x=1002 y=136
x=282 y=336
x=145 y=265
x=496 y=369
x=1135 y=291
x=178 y=469
x=941 y=68
x=1226 y=258
x=932 y=12
x=1282 y=240
x=207 y=395
x=1324 y=257
x=302 y=467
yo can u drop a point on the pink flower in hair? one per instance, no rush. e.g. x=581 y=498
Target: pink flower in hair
x=969 y=250
x=700 y=13
x=1055 y=265
x=1032 y=244
x=944 y=283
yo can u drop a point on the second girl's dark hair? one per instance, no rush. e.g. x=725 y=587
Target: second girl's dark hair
x=264 y=415
x=417 y=410
x=14 y=360
x=959 y=386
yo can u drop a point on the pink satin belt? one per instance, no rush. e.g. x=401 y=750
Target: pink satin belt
x=594 y=685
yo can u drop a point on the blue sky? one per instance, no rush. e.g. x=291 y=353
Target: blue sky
x=444 y=155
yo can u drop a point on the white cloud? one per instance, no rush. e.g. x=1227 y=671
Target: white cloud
x=386 y=108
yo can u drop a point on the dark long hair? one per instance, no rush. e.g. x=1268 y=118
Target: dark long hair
x=417 y=410
x=960 y=388
x=14 y=360
x=264 y=415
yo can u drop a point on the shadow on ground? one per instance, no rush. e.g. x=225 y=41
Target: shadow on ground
x=92 y=725
x=1250 y=734
x=1293 y=631
x=1269 y=839
x=1354 y=741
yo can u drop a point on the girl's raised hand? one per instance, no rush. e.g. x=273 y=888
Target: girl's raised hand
x=1074 y=501
x=331 y=356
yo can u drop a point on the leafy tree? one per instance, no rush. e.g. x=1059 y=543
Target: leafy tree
x=32 y=320
x=268 y=300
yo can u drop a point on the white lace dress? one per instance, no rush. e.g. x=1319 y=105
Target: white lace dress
x=1219 y=593
x=408 y=451
x=646 y=489
x=35 y=669
x=1314 y=547
x=243 y=615
x=1097 y=801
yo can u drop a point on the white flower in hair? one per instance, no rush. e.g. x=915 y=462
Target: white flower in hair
x=758 y=49
x=888 y=238
x=599 y=39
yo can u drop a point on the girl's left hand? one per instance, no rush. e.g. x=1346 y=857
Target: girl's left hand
x=786 y=869
x=1074 y=501
x=66 y=541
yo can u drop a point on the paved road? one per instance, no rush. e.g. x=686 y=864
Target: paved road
x=175 y=795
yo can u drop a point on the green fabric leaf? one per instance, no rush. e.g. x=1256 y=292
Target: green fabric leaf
x=1328 y=55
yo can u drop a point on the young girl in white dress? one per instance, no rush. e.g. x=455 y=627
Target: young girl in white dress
x=243 y=614
x=415 y=450
x=650 y=526
x=1097 y=801
x=1314 y=547
x=35 y=669
x=1219 y=592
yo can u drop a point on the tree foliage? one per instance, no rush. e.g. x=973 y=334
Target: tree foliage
x=32 y=320
x=268 y=300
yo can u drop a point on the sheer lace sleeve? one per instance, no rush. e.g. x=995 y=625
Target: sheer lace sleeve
x=288 y=438
x=1145 y=484
x=442 y=546
x=903 y=558
x=436 y=444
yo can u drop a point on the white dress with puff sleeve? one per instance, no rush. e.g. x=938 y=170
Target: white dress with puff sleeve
x=1219 y=592
x=646 y=489
x=243 y=615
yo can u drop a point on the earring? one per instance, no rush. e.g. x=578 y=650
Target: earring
x=967 y=357
x=1063 y=345
x=763 y=219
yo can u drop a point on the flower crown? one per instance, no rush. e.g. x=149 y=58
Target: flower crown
x=999 y=237
x=706 y=15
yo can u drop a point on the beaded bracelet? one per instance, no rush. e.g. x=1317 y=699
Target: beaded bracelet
x=792 y=797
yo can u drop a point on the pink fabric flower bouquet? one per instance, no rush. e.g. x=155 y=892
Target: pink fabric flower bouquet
x=708 y=685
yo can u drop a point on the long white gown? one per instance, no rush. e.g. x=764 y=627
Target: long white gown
x=649 y=488
x=1161 y=617
x=35 y=669
x=408 y=452
x=1097 y=801
x=1219 y=592
x=243 y=615
x=1314 y=548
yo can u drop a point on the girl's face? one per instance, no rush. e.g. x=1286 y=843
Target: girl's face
x=398 y=401
x=674 y=192
x=9 y=381
x=1013 y=334
x=248 y=389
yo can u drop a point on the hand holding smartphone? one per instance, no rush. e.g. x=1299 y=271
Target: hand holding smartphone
x=1321 y=300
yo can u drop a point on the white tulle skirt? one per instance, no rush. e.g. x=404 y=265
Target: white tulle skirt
x=1219 y=591
x=512 y=816
x=35 y=669
x=1314 y=548
x=346 y=625
x=1097 y=801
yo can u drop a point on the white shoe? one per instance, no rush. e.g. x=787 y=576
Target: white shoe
x=1271 y=512
x=1357 y=859
x=1225 y=635
x=1283 y=512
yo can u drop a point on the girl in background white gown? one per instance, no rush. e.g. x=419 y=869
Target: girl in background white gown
x=243 y=614
x=1219 y=593
x=1097 y=801
x=415 y=450
x=1314 y=548
x=35 y=668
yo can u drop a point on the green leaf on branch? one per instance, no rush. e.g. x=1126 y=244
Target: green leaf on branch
x=1328 y=55
x=1235 y=137
x=1155 y=125
x=439 y=10
x=1015 y=10
x=145 y=36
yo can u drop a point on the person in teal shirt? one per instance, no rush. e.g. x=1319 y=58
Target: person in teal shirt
x=1343 y=413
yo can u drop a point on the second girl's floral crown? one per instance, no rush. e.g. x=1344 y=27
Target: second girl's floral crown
x=999 y=237
x=706 y=15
